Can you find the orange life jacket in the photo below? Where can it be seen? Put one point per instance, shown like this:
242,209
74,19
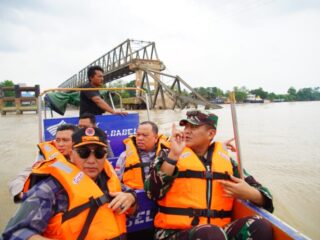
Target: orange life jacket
88,215
195,197
133,175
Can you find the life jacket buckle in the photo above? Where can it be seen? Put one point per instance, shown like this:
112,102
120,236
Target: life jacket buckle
101,200
221,213
208,175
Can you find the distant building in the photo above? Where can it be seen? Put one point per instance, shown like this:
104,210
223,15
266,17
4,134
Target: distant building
251,98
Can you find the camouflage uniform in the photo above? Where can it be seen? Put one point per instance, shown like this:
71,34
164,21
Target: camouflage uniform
157,184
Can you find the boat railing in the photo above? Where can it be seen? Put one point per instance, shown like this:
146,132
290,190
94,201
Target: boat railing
40,120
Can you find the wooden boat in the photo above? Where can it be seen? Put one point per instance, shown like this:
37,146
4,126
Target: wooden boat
118,128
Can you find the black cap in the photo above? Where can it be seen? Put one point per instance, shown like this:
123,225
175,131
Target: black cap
89,135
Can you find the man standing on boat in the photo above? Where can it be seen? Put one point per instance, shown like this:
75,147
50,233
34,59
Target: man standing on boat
195,183
80,198
133,164
92,101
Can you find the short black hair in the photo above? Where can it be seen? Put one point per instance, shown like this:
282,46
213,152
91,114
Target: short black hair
67,126
92,71
90,116
154,126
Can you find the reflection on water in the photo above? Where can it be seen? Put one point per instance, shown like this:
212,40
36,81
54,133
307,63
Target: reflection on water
279,145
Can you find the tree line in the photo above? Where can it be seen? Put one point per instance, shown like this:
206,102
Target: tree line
241,93
304,94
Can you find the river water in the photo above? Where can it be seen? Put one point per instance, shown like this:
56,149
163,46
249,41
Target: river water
279,144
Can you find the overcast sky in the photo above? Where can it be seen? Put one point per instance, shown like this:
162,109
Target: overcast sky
273,44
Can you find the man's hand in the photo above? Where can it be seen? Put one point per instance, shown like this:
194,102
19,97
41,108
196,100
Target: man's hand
230,146
238,188
121,202
177,142
120,113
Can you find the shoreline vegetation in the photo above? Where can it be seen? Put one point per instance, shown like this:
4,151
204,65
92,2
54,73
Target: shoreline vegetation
242,94
217,95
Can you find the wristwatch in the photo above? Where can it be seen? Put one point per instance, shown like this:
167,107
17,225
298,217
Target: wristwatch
170,161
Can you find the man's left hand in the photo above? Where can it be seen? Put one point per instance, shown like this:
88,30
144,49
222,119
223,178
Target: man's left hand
122,201
236,188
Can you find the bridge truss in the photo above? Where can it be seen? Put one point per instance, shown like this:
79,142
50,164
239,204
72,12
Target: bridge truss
141,58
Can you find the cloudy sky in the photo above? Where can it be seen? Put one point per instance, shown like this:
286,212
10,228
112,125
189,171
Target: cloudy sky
273,44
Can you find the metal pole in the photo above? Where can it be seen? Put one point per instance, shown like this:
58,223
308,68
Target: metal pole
111,100
236,133
147,105
40,118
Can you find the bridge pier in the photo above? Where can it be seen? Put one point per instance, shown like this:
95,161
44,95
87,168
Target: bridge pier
11,99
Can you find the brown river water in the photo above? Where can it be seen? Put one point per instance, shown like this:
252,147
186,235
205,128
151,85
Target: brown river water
280,146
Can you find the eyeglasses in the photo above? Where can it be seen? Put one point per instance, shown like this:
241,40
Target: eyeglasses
84,152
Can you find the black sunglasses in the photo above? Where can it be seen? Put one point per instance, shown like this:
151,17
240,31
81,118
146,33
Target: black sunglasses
84,152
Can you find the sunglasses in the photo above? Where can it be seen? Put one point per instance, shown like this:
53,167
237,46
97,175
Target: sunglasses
84,152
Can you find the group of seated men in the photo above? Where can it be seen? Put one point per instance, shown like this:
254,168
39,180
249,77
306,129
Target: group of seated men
73,192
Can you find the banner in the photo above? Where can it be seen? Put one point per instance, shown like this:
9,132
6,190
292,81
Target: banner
116,127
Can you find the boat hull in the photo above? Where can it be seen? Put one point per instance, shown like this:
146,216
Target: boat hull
281,230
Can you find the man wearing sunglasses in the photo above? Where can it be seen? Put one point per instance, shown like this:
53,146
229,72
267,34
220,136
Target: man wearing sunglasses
75,199
89,120
195,183
62,143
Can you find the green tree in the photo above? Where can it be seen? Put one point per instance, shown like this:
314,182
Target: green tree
272,96
131,84
203,92
292,94
305,94
214,92
317,93
240,93
7,83
259,92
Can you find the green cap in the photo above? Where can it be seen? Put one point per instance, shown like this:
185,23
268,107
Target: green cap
200,118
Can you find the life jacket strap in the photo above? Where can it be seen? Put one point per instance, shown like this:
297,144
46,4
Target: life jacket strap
196,213
203,175
92,212
137,165
94,204
99,201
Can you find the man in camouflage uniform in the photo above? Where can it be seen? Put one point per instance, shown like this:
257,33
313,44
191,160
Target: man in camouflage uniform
169,168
